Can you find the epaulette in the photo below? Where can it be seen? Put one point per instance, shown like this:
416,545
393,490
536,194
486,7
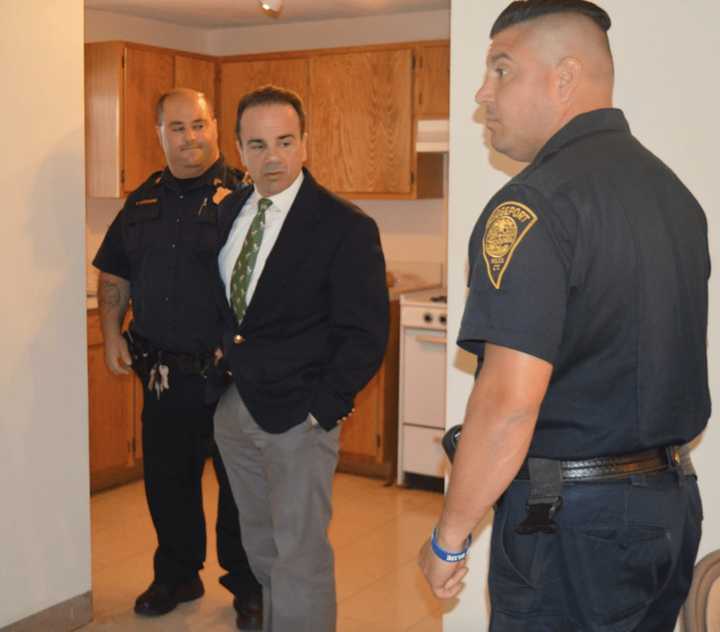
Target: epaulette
147,189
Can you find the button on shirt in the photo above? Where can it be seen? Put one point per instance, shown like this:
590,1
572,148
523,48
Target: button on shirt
274,220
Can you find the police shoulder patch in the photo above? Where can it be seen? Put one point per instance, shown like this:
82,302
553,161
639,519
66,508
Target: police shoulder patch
505,229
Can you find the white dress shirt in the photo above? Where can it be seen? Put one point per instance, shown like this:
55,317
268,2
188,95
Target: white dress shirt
274,219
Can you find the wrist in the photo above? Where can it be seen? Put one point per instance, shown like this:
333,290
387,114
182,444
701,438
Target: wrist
451,555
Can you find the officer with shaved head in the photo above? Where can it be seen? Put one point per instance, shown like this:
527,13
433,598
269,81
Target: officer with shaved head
587,310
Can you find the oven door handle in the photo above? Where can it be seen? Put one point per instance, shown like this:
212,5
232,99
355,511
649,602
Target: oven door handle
434,340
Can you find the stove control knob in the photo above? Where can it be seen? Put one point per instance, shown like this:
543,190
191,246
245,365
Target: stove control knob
428,318
443,319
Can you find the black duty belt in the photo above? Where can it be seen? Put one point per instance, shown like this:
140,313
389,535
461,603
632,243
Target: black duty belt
547,477
616,467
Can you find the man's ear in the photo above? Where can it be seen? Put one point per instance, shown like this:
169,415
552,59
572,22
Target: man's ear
569,71
304,147
238,146
158,131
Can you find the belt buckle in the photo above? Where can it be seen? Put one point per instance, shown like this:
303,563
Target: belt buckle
674,457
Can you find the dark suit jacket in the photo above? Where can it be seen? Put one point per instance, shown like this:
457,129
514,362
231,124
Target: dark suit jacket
316,328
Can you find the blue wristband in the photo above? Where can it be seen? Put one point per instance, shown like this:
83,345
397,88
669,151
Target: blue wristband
446,556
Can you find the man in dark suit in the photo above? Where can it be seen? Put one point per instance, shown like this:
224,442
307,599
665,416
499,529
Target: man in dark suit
306,321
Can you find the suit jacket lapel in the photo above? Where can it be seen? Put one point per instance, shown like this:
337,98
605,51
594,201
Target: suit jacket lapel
229,209
292,245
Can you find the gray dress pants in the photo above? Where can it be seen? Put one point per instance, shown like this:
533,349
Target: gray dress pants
282,485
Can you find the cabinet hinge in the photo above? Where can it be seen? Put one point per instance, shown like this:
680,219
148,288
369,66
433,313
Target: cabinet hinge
122,176
412,177
122,60
378,442
414,61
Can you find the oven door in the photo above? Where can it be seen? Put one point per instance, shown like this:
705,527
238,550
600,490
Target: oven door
423,384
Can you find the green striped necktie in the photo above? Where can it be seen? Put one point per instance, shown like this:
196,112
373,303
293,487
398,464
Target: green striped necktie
245,263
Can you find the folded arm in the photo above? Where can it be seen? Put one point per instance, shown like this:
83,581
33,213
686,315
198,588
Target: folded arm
359,316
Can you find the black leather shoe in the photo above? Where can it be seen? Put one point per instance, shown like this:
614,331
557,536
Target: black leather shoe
249,613
160,599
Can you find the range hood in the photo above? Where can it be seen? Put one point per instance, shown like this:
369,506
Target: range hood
432,136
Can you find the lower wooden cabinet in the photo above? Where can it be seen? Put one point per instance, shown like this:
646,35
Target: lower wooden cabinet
368,439
115,403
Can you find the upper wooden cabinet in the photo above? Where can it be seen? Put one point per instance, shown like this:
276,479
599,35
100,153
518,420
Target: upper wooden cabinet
198,74
122,85
361,123
237,78
432,80
362,106
148,74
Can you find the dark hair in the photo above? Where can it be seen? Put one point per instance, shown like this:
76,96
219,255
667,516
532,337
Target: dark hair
160,105
524,10
270,95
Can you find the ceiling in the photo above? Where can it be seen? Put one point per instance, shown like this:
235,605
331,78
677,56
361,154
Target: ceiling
233,13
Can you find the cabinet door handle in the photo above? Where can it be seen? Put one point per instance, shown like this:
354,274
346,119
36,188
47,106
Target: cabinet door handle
433,340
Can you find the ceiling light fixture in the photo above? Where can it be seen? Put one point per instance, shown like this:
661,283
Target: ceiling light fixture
271,6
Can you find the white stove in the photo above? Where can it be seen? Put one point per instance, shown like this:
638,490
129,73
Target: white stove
423,352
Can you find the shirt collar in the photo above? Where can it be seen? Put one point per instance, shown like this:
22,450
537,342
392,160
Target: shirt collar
216,172
282,201
586,124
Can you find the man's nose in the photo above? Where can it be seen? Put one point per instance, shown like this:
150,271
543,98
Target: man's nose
484,94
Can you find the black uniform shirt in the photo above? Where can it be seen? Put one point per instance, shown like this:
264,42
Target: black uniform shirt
595,258
165,241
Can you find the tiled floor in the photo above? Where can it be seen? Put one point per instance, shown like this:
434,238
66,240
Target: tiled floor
376,532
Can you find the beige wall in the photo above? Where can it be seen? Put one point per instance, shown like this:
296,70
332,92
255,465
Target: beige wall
404,27
103,26
44,528
666,56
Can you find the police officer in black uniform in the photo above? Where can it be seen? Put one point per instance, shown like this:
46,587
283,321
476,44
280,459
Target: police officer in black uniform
587,309
161,253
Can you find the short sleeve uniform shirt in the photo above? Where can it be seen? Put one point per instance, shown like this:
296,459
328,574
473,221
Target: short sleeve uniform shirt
165,242
595,259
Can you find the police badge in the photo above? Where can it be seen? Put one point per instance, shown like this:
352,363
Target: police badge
505,229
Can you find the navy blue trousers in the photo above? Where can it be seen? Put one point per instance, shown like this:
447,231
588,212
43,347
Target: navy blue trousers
621,561
177,436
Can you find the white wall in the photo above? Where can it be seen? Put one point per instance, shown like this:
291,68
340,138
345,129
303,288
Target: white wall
44,528
103,26
402,27
666,57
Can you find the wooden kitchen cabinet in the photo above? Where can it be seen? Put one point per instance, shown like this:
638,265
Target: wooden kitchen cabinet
123,83
432,80
361,122
198,74
114,411
148,74
368,438
237,78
